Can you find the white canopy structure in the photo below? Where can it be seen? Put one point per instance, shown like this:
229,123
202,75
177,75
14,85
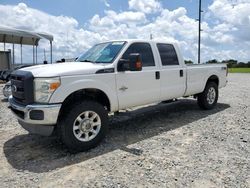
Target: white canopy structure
17,36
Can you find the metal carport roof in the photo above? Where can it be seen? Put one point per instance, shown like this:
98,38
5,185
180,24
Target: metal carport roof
17,36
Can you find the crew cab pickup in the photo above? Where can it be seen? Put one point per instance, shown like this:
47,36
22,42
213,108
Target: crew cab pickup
74,99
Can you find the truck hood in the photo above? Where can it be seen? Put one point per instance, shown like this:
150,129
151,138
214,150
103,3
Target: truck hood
66,69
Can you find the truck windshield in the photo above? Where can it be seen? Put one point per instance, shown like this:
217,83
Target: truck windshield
102,53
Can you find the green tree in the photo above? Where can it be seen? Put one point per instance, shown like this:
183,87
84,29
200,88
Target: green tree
241,65
212,61
231,63
188,62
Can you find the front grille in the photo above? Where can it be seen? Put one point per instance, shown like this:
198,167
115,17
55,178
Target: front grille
22,87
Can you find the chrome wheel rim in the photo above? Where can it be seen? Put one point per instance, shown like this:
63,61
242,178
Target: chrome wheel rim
211,95
87,126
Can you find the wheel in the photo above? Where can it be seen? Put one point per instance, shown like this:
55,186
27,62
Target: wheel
8,78
209,97
83,126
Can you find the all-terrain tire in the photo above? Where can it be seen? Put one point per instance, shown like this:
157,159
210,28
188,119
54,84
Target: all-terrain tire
76,114
207,100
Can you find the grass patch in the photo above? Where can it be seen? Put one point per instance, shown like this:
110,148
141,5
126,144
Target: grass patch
239,70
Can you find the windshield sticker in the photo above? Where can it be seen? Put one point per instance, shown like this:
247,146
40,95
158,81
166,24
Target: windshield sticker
117,43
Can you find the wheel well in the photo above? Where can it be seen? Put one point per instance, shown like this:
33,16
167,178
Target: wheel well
90,94
214,79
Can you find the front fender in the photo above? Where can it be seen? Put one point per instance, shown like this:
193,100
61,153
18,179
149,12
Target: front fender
71,84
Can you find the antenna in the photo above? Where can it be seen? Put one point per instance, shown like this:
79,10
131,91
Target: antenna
44,54
234,3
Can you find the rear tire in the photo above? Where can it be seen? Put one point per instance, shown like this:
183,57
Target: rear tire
83,126
207,100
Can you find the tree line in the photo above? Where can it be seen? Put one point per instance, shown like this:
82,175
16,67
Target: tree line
231,63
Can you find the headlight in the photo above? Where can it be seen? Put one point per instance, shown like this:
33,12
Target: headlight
44,88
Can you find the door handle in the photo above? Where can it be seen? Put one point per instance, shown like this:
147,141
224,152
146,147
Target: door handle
123,88
181,73
157,75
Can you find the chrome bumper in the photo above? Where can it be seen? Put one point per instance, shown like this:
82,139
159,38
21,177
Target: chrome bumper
35,114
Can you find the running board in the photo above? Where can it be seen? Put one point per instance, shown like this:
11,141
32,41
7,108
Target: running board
169,101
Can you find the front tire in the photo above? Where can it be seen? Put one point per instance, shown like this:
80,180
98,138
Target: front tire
83,126
207,100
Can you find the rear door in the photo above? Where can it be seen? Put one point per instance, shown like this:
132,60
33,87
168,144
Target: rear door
140,87
173,81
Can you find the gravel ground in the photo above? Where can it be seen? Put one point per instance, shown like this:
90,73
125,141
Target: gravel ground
167,145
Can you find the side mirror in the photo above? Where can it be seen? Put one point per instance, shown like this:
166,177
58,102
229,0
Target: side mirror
134,63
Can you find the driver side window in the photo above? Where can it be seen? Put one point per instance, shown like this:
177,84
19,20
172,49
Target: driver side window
144,49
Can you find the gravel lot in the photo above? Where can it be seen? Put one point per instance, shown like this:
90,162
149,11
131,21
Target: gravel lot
167,145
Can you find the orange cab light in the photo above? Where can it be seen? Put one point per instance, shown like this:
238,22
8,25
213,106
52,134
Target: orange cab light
138,64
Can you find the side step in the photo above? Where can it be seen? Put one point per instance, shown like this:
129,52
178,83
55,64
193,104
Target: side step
169,101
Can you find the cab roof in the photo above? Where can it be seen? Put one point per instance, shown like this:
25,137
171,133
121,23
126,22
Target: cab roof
141,40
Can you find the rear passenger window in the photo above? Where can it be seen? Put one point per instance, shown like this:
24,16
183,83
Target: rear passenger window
144,49
168,54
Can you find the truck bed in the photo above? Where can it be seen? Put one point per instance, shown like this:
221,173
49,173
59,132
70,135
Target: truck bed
197,75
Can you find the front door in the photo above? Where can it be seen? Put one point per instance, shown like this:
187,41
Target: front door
135,88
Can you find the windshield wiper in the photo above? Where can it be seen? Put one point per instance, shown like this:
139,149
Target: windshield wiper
86,60
101,62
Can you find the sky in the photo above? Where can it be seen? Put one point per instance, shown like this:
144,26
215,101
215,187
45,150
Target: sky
77,25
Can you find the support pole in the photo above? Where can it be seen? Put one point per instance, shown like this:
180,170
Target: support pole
199,35
36,54
51,52
4,39
21,54
21,50
13,52
33,52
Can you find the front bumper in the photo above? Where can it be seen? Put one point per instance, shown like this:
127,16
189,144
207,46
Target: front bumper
36,118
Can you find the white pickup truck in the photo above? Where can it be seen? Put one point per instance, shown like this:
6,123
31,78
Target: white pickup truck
75,98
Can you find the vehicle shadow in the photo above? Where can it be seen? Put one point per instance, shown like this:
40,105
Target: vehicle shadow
40,154
4,100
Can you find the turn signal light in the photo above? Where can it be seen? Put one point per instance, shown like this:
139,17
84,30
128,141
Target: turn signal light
54,86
